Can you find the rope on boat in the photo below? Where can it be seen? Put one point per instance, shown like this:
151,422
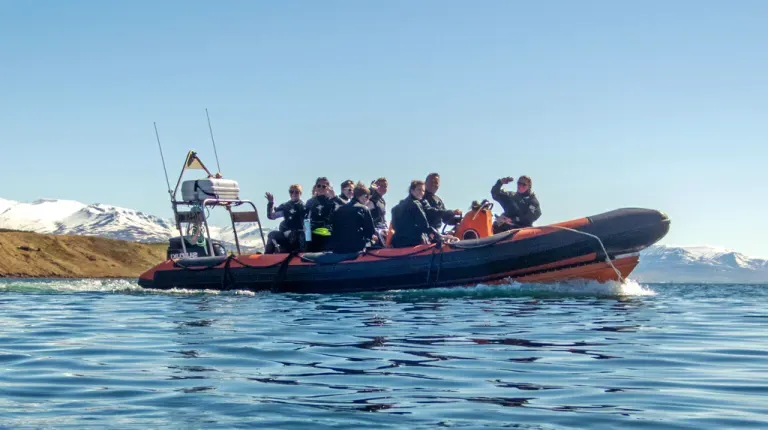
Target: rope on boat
280,275
440,265
227,278
192,268
437,249
607,257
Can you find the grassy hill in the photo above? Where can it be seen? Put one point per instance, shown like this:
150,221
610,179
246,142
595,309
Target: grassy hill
34,255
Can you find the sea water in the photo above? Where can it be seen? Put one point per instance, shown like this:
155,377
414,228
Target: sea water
95,354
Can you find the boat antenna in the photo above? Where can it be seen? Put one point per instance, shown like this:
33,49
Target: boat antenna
210,129
167,182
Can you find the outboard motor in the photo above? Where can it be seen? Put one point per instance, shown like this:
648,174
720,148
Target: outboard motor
194,249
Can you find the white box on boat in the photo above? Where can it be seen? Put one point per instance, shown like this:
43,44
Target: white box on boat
210,188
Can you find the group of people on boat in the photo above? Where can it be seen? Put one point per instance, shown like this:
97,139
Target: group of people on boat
355,219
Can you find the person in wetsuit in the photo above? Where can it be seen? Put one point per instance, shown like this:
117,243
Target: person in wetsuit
347,190
319,210
409,219
440,214
352,223
286,237
378,206
521,208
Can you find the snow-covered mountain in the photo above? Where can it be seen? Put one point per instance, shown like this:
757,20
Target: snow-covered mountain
71,217
40,216
5,204
701,264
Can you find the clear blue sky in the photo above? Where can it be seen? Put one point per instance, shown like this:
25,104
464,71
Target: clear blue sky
605,104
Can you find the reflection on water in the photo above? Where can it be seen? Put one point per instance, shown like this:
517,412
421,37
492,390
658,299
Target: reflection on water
105,354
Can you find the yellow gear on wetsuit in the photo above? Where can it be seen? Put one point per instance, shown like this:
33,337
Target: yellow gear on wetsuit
321,231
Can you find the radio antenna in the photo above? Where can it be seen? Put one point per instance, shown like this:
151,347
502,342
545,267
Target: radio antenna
167,182
213,140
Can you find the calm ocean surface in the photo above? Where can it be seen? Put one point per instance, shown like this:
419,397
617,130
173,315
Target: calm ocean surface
95,354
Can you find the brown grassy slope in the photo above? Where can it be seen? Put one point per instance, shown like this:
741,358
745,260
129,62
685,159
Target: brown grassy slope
62,256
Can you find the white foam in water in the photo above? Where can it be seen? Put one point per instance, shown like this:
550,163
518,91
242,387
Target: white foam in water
102,286
591,288
186,291
572,288
71,285
630,287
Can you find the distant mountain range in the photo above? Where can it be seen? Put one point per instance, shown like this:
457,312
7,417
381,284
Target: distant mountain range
705,264
71,217
659,263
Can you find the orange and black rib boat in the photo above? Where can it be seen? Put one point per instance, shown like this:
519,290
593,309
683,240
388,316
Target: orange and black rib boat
601,248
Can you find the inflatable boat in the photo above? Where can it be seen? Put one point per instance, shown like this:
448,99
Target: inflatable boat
602,248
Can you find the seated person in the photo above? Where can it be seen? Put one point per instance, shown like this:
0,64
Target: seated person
352,224
521,209
409,219
440,214
286,237
319,210
378,206
347,188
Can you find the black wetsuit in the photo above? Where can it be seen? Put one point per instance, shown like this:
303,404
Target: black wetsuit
291,212
379,209
522,208
352,228
287,234
320,209
440,214
410,223
338,201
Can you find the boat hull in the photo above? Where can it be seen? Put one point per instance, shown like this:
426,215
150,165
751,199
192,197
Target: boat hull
558,252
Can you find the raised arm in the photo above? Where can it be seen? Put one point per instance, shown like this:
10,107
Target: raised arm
497,192
271,212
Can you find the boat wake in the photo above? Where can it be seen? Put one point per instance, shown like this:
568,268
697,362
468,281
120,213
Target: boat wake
628,288
121,286
576,288
54,286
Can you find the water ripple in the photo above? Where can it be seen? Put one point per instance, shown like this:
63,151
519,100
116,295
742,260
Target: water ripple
105,353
